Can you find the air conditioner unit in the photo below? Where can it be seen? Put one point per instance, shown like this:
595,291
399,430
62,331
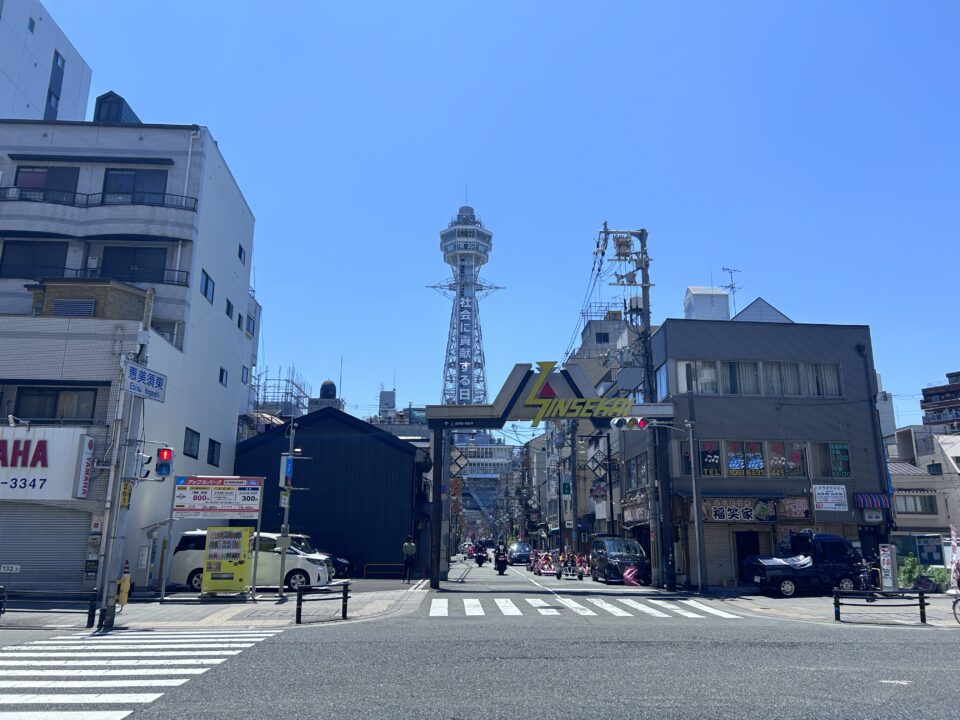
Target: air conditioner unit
93,262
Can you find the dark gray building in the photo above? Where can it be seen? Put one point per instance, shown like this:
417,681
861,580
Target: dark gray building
787,440
358,492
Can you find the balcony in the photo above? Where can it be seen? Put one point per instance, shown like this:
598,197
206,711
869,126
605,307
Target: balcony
72,199
159,276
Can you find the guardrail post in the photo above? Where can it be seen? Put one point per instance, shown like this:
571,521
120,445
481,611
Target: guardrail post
299,605
343,607
836,605
92,611
923,609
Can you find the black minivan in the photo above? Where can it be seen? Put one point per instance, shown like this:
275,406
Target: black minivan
611,555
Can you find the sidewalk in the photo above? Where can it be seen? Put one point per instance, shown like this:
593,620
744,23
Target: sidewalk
368,600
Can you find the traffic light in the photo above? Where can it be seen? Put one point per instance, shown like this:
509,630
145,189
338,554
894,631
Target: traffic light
164,462
142,465
631,423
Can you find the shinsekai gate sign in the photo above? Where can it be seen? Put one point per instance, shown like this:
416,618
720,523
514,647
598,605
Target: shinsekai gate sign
544,394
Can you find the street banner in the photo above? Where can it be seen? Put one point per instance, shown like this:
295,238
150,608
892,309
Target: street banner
228,498
954,560
226,560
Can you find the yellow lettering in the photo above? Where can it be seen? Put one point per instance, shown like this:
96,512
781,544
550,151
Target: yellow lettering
622,407
589,406
575,407
603,408
558,408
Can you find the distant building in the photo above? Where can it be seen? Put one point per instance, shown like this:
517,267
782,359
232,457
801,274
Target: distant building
888,418
42,76
328,398
706,303
941,404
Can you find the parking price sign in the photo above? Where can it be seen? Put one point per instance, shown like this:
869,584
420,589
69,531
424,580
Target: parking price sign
217,497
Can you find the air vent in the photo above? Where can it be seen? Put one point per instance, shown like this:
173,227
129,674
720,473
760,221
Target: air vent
67,307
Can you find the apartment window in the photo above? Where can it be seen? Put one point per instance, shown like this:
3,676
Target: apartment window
242,254
749,378
33,260
213,453
772,383
134,187
915,504
710,465
244,374
223,377
46,403
239,321
58,60
251,325
191,443
134,264
31,24
48,184
729,378
53,100
832,460
207,285
790,373
935,469
704,376
603,338
788,459
229,309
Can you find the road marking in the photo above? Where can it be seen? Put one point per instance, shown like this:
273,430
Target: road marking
17,662
472,606
422,585
507,607
130,682
542,607
100,672
219,634
154,639
126,646
66,715
110,654
675,608
642,608
78,699
575,606
438,608
708,609
612,609
897,682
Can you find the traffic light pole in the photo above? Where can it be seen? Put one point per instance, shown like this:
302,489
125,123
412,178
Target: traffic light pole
285,528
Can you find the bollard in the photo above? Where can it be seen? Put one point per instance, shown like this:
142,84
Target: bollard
299,605
92,611
836,606
923,610
343,609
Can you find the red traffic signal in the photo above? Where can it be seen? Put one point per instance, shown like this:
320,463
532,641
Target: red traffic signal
630,423
165,454
164,465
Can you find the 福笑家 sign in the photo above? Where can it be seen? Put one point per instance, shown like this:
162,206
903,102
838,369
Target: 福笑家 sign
45,463
144,382
748,510
831,498
217,497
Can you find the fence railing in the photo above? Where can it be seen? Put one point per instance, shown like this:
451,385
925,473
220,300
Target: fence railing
391,570
27,601
74,199
162,276
880,598
326,592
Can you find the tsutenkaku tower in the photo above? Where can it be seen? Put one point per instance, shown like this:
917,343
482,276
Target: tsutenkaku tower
466,246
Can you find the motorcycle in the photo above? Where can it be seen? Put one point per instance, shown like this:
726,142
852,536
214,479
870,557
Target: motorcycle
480,556
500,560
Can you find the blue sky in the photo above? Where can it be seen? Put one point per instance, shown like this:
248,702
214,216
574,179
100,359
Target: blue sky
813,146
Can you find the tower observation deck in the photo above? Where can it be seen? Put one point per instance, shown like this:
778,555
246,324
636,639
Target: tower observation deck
466,246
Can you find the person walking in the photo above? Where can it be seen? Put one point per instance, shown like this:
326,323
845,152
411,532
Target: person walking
409,554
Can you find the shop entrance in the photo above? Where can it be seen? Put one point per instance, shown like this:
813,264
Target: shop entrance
748,543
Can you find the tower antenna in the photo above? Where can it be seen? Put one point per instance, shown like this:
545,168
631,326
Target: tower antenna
732,287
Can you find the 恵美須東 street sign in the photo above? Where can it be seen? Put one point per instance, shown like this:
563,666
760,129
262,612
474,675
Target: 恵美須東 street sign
144,382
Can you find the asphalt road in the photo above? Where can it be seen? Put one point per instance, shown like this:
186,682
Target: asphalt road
493,654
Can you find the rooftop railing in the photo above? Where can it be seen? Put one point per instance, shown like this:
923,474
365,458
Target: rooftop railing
73,199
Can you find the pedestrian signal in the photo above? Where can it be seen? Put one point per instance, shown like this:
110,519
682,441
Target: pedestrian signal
164,465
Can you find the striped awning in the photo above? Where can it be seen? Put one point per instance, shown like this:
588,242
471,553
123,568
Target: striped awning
871,500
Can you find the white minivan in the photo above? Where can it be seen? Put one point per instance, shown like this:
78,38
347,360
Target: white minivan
304,566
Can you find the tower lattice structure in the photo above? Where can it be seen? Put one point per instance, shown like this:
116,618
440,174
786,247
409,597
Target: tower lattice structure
466,246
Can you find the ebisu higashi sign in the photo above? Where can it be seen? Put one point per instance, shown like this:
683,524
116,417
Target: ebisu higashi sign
550,406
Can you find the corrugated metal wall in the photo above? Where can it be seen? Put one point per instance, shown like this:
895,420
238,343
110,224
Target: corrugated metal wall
359,496
47,544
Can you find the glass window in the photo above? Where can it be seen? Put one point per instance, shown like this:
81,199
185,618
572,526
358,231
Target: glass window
662,389
229,309
33,260
213,453
813,385
39,403
772,384
796,459
239,321
683,367
778,455
134,264
753,454
729,378
915,504
223,377
266,544
736,466
244,374
603,338
191,443
710,458
707,377
251,325
207,285
749,378
830,376
790,374
138,187
242,254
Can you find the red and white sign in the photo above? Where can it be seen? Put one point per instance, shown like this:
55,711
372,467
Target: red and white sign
217,497
45,463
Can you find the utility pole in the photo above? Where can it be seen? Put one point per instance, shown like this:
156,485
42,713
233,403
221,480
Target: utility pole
285,527
573,485
695,486
611,522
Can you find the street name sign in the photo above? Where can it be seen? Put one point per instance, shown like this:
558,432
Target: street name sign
144,382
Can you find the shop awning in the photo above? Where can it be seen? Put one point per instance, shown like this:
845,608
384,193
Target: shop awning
871,500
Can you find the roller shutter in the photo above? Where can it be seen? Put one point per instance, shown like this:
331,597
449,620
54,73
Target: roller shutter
49,544
716,540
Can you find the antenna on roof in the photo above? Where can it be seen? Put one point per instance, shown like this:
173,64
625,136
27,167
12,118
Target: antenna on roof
732,287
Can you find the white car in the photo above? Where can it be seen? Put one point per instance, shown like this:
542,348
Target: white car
304,566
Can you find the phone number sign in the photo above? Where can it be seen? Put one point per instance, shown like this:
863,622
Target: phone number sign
217,497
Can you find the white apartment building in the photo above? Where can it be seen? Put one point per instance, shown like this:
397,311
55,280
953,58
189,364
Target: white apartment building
42,76
96,219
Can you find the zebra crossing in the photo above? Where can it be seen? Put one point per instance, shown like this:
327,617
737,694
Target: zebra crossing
50,679
584,607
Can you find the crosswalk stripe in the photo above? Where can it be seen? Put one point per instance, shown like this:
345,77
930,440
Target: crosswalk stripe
472,606
612,609
148,634
18,662
439,608
66,715
708,609
507,607
642,608
125,646
100,672
673,607
542,607
79,699
74,684
576,607
124,654
152,639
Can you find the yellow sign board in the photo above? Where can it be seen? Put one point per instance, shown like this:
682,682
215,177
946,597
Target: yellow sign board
543,396
226,561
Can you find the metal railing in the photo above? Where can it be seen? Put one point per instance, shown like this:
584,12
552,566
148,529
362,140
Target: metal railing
162,276
50,602
880,598
74,199
327,592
